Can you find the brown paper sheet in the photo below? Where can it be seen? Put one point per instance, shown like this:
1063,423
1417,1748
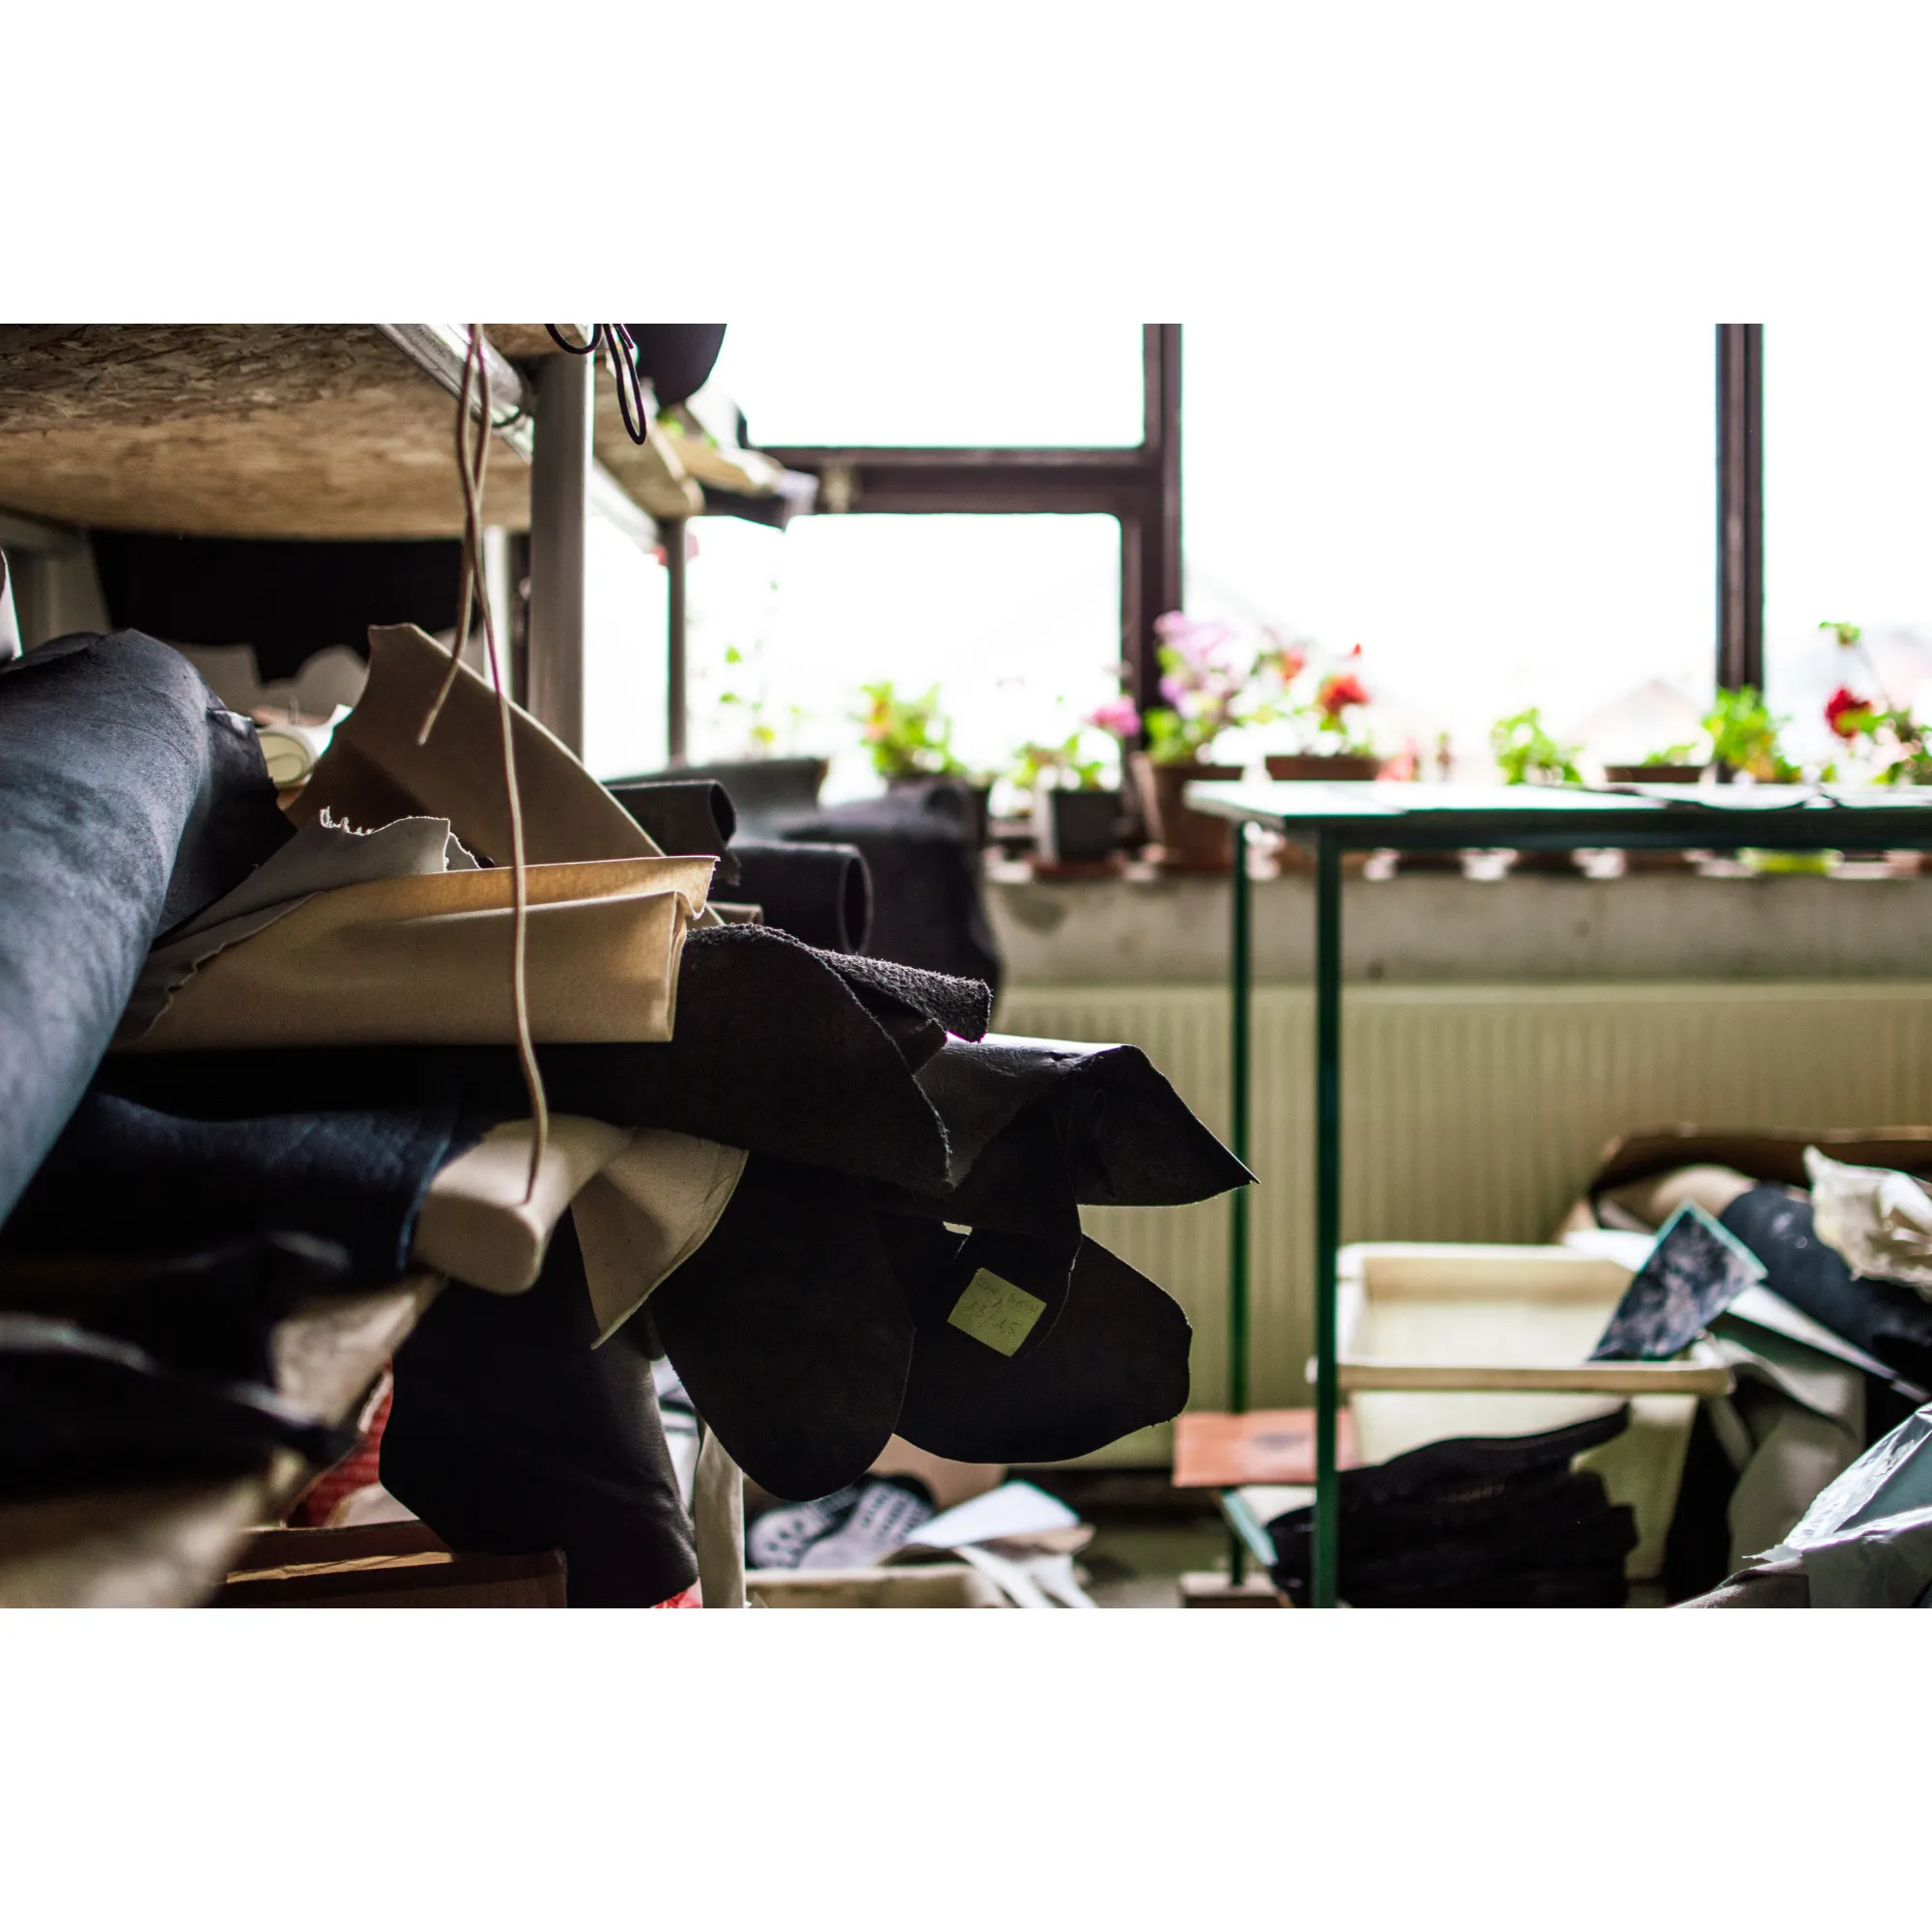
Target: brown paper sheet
374,771
426,960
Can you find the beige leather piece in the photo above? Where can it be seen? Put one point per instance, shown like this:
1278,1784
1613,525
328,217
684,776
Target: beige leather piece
646,1213
475,1225
375,771
427,960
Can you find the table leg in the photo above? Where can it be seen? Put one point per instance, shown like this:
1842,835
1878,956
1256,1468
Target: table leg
1240,983
1327,1204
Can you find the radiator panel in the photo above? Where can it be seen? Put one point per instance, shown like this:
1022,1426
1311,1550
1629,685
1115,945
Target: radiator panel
1469,1113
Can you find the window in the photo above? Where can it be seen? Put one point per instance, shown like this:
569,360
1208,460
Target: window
1025,384
624,613
1016,618
1501,515
1848,509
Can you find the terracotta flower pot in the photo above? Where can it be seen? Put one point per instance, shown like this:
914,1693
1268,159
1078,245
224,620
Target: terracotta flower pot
1341,768
1655,774
1652,775
1190,841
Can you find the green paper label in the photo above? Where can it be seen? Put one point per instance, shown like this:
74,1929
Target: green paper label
996,1313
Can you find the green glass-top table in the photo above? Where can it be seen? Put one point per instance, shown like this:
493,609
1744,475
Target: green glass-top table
1336,819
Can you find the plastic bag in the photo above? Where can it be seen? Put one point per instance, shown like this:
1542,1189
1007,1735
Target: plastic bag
1878,1219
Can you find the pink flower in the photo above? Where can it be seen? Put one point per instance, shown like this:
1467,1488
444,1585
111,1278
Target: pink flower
1119,714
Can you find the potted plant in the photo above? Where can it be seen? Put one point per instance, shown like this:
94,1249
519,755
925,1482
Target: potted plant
1201,687
1674,765
911,743
1526,753
1334,746
910,738
1744,738
1076,814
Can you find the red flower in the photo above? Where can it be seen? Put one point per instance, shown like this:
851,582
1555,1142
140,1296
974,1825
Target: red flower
1339,692
1848,714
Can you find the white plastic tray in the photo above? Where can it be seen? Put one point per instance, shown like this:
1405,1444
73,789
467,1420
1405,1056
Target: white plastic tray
1439,1341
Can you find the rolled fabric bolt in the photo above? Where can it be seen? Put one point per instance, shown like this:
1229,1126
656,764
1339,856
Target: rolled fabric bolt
128,1178
685,816
819,893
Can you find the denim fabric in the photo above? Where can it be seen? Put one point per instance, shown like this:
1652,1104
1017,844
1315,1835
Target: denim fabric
129,1179
129,799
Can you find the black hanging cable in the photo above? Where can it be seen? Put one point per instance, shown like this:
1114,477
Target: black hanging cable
617,337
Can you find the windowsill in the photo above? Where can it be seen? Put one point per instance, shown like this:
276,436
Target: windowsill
1147,927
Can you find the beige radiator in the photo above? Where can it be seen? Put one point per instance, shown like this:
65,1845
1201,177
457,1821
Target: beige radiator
1469,1113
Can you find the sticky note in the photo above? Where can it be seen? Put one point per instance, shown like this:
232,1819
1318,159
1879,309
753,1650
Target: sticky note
995,1311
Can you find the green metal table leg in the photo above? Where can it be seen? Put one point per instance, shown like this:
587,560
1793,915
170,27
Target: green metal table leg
1241,978
1328,1202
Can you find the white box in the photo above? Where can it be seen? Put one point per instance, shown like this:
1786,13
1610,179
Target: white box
1436,1341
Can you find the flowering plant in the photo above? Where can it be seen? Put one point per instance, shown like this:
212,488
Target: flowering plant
1893,735
1203,686
909,737
1888,731
1075,760
1323,710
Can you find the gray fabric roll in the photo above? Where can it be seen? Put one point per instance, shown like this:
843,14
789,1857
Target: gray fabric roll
819,893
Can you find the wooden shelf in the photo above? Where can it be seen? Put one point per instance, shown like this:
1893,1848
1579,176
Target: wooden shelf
261,430
159,1546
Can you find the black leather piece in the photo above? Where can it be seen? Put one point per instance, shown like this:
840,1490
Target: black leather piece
819,893
1884,1318
1037,1128
509,1433
125,1178
129,799
789,1331
1115,1361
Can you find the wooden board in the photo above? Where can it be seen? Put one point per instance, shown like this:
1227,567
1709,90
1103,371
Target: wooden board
1214,1451
263,430
160,1545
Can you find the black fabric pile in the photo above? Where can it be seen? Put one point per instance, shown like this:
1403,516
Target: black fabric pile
166,1376
838,1300
1480,1522
896,877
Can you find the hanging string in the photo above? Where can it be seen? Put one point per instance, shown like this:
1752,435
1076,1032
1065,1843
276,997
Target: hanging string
472,464
616,338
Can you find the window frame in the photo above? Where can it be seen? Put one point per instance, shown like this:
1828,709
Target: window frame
1139,486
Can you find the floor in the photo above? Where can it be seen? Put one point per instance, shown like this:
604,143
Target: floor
1146,1534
